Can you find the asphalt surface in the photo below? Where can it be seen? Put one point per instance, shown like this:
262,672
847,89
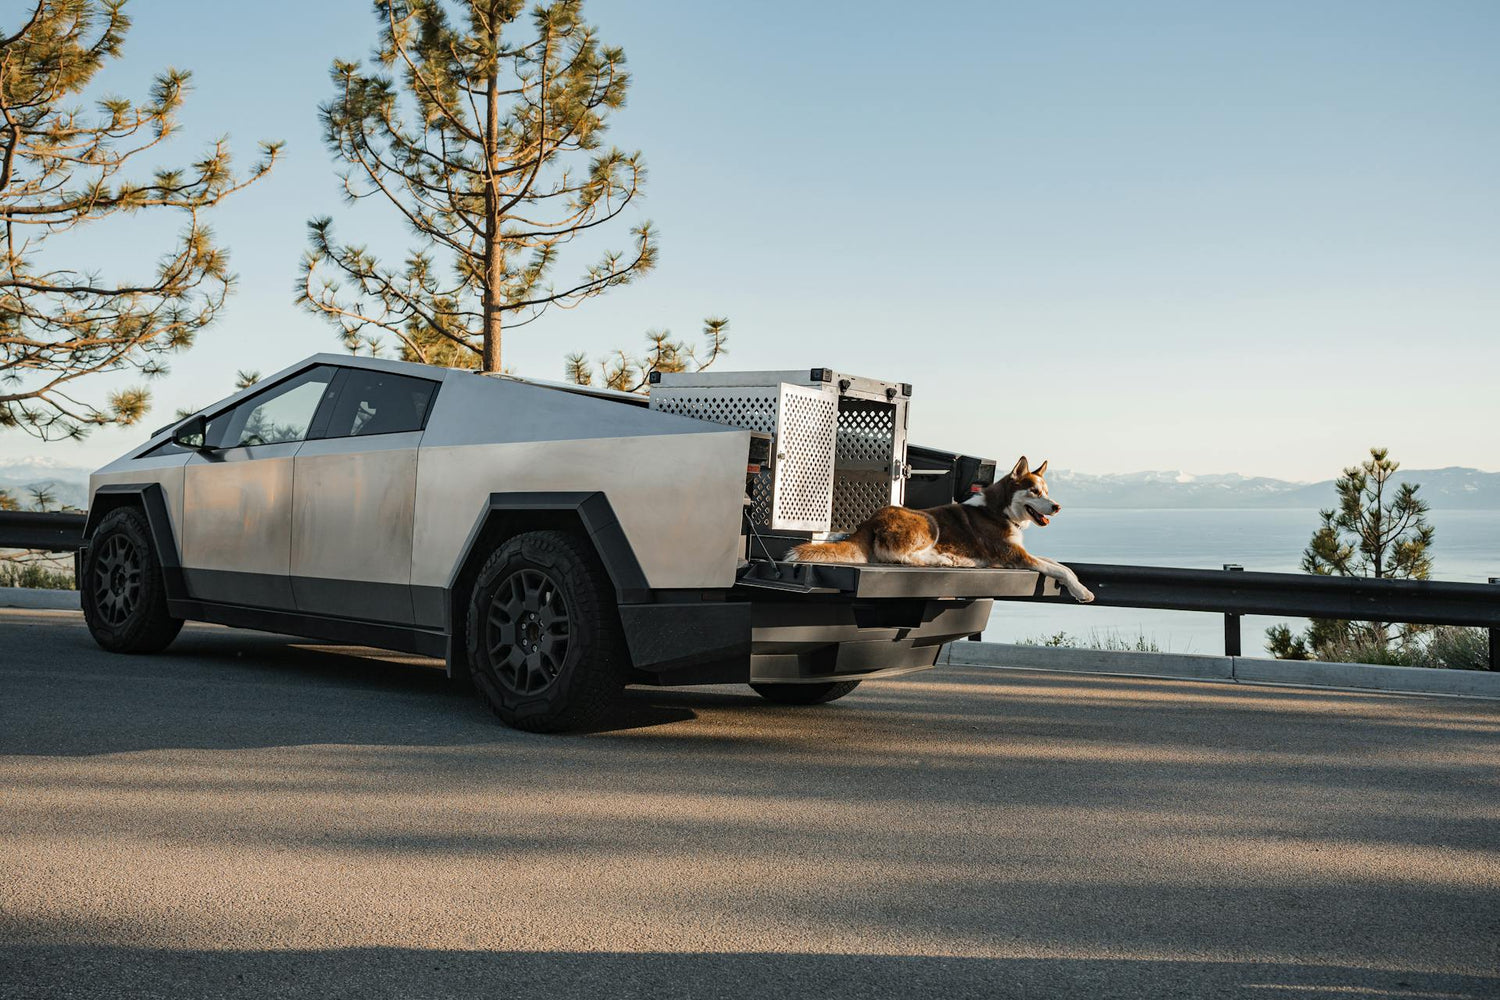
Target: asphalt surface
251,816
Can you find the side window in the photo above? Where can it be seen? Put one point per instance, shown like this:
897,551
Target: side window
277,416
373,402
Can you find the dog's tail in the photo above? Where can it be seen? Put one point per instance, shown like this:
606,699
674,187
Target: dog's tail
854,549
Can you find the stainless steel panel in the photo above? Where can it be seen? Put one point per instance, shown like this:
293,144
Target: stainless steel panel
675,484
479,409
677,499
352,507
163,469
753,408
237,515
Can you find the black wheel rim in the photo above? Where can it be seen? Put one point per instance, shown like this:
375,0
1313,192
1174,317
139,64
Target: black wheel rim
117,580
527,631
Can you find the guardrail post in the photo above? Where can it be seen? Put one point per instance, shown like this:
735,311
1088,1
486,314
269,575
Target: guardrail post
1232,622
1495,639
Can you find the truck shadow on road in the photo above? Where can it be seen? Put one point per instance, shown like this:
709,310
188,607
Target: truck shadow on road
220,688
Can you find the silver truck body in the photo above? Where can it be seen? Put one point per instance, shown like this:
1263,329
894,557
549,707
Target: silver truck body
366,524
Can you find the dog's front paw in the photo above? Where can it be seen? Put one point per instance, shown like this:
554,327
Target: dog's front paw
1083,595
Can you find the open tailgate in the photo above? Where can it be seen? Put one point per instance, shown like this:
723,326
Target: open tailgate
881,581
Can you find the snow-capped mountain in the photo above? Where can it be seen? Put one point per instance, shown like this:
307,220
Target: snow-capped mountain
1453,487
68,484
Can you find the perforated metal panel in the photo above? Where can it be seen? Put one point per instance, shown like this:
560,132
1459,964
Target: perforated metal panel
867,433
794,493
864,478
837,453
753,409
804,459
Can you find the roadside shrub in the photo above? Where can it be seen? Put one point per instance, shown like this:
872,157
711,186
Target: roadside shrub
1458,648
1372,651
1109,641
30,574
1442,647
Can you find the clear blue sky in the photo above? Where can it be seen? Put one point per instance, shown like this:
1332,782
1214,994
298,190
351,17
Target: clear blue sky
1255,236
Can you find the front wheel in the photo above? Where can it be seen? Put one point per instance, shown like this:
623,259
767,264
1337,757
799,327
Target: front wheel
545,647
804,694
123,594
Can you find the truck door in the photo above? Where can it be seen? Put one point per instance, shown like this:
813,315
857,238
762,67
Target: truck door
355,495
237,497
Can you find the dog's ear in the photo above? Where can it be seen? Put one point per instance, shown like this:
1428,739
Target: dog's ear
1040,470
1022,469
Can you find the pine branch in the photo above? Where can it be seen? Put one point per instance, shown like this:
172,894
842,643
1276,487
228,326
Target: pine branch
471,141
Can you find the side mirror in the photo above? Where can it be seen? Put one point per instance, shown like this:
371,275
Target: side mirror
192,433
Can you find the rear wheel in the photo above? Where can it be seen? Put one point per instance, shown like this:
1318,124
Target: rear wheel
804,694
122,592
545,647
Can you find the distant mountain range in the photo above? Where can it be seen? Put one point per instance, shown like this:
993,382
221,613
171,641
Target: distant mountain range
69,484
1451,488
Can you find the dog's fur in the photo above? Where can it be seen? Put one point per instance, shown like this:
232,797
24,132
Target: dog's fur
984,530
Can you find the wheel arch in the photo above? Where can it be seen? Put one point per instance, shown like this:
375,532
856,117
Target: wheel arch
505,515
151,500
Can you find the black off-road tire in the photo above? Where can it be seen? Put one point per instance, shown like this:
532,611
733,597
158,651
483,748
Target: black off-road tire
804,694
123,594
545,647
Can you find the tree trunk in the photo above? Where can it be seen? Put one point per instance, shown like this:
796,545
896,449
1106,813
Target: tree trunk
492,318
494,269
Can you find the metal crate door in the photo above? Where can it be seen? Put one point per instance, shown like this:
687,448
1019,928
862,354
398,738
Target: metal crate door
868,467
806,426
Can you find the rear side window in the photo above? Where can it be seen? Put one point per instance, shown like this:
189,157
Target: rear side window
374,402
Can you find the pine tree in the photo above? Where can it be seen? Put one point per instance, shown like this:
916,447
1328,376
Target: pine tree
1379,530
632,373
61,168
482,126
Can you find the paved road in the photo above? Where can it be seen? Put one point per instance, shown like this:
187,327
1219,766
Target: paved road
249,816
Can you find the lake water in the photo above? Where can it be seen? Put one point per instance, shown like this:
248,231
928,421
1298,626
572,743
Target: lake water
1466,549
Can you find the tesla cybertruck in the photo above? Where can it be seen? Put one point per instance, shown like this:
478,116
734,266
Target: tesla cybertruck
552,543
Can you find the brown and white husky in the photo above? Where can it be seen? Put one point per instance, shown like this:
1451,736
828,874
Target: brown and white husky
984,530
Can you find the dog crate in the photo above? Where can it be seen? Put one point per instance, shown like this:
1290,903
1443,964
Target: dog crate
838,442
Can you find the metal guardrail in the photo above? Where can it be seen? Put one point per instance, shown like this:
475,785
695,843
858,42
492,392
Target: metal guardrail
1231,592
49,531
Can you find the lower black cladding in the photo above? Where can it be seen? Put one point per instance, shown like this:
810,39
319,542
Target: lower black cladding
673,635
259,590
341,630
385,602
